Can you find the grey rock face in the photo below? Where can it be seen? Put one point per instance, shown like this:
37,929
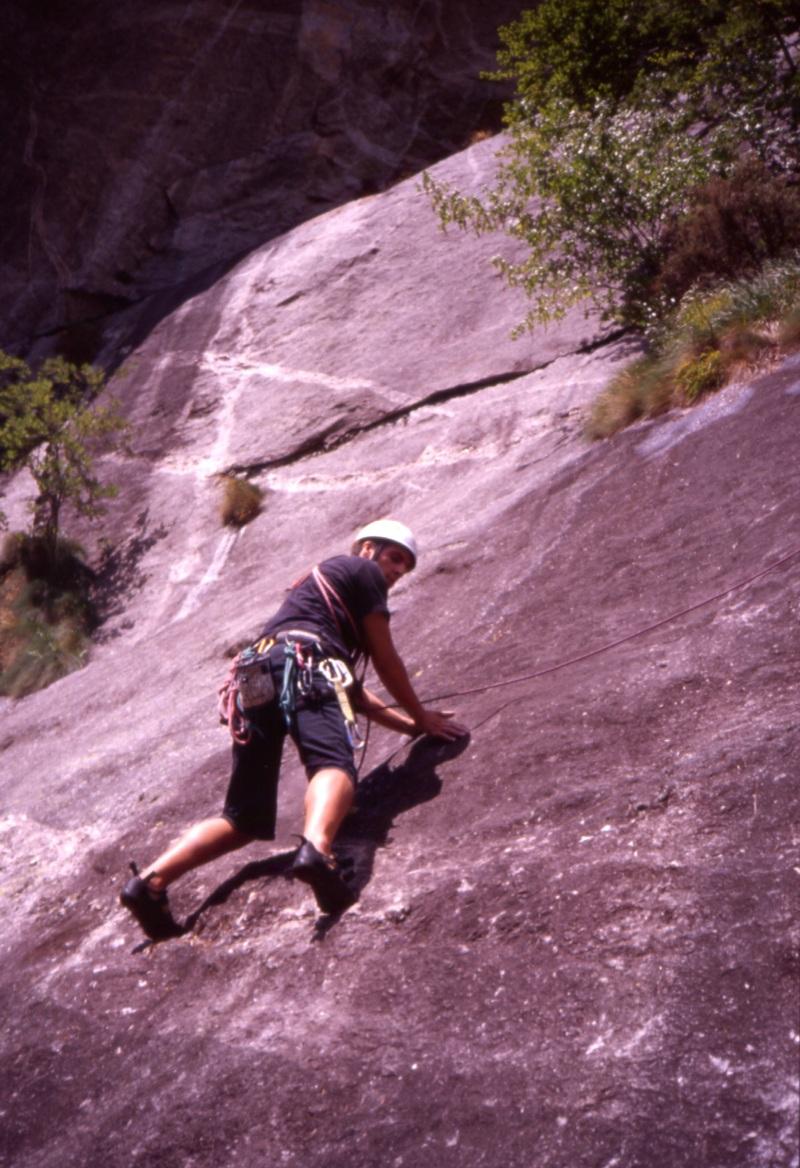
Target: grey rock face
575,940
144,144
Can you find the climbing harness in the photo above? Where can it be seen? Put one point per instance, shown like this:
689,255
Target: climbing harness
304,661
302,652
249,684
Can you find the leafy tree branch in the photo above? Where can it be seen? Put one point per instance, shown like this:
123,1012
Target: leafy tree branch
49,424
622,111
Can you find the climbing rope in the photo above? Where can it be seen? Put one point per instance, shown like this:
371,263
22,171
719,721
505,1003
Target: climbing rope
674,616
548,669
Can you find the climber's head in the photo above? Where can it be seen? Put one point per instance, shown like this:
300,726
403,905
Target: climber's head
390,544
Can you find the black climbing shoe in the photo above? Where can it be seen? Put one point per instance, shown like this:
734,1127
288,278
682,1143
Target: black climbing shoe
150,908
321,873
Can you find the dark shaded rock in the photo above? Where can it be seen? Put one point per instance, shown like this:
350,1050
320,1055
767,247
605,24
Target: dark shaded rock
143,146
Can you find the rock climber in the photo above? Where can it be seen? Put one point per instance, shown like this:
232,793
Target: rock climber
308,651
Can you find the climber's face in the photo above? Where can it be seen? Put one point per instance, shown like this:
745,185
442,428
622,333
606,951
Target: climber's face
393,561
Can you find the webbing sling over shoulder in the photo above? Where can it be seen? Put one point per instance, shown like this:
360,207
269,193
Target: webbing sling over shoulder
329,594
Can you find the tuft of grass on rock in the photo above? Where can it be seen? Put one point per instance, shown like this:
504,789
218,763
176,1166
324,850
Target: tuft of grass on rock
642,389
713,336
241,501
695,375
46,615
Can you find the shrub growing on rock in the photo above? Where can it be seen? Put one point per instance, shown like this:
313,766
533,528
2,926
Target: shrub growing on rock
241,501
46,615
48,423
733,225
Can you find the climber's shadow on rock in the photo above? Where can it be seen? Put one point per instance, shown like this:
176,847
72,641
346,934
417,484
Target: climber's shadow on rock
269,869
385,793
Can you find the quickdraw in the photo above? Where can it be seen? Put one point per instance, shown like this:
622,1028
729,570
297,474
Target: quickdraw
298,677
339,676
300,664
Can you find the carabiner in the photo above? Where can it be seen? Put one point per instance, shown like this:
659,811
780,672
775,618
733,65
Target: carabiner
339,677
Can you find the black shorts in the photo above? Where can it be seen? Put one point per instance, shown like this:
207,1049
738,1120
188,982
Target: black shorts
320,735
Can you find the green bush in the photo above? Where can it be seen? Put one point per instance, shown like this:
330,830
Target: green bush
695,376
623,111
768,295
587,194
643,389
49,653
49,424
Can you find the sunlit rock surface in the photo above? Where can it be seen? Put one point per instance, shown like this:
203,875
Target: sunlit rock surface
145,145
576,942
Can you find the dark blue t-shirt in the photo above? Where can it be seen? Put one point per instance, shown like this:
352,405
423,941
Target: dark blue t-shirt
363,590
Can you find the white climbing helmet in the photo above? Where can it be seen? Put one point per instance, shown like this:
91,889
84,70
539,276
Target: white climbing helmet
392,531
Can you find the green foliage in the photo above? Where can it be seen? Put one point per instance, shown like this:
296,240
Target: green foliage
621,111
51,652
584,195
695,376
241,501
720,56
769,295
48,424
645,388
579,50
712,336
